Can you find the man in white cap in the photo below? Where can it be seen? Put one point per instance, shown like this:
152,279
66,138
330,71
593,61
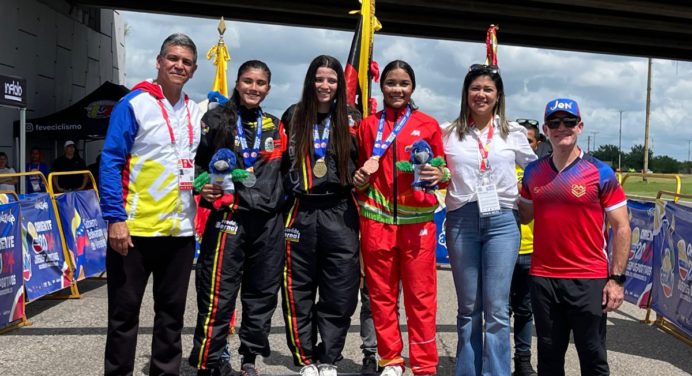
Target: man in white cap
69,161
570,195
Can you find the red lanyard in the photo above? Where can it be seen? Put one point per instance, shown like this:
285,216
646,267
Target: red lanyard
168,121
484,149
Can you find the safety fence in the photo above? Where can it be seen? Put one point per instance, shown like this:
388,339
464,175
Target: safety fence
48,242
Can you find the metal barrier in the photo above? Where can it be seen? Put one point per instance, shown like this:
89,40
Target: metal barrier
677,178
660,321
53,175
48,183
74,290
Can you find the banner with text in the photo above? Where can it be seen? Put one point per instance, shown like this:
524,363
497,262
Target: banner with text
640,258
85,232
45,269
11,284
672,266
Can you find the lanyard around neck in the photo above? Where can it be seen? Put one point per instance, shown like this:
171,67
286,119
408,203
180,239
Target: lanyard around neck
164,112
380,147
321,141
484,150
249,156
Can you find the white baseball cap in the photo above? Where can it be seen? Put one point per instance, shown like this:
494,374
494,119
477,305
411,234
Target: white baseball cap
68,143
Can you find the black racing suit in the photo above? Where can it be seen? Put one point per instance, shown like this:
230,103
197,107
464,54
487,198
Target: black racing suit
321,254
243,245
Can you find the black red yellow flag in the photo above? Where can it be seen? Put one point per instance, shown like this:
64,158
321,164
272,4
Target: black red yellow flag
357,71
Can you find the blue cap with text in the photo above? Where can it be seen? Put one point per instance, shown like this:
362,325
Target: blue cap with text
567,105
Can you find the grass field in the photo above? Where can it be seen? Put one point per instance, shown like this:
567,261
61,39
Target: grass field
635,186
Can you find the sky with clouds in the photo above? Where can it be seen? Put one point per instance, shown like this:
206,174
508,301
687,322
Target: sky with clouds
602,84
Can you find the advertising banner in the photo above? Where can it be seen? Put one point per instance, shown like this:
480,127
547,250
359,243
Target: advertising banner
85,232
672,266
640,258
13,91
44,268
11,284
441,247
441,254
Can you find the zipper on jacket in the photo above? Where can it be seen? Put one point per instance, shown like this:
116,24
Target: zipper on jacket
396,209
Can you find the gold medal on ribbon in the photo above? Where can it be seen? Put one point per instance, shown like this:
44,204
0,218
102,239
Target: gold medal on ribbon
320,169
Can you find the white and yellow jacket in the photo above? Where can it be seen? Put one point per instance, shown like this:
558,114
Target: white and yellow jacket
139,163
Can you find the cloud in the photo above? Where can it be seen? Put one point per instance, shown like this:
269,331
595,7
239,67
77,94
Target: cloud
603,84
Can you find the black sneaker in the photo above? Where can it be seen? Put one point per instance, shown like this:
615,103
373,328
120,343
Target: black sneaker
249,369
369,365
224,369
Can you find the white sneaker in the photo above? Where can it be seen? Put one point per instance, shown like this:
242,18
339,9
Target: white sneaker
309,370
395,370
327,370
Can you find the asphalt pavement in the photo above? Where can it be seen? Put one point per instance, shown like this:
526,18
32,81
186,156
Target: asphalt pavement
67,337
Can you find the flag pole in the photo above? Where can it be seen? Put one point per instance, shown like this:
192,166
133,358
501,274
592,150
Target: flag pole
221,57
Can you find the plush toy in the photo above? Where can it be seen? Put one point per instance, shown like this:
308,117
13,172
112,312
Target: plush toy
215,99
421,154
222,172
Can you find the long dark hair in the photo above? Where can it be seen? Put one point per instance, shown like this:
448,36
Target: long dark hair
229,111
460,125
305,116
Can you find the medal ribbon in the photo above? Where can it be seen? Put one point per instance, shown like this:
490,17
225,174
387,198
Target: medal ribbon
250,156
381,147
485,149
321,142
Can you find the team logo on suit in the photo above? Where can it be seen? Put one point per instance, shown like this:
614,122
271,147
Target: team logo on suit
578,190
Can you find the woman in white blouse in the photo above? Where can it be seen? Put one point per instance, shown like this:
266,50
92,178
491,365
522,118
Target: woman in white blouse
482,228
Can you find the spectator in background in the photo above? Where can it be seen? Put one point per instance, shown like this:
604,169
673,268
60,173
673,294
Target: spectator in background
70,161
35,183
542,146
6,183
519,297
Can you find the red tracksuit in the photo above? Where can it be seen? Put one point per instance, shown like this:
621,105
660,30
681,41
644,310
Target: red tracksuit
398,243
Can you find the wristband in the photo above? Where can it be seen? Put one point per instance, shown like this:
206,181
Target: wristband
446,174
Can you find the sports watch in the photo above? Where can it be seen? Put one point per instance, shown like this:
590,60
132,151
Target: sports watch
618,278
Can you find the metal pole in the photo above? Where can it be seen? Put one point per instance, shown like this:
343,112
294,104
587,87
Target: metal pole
620,145
588,145
646,126
22,148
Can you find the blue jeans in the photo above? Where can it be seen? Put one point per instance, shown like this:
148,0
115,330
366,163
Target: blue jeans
520,301
482,254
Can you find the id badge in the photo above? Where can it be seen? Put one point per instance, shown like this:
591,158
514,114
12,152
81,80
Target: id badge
36,185
488,201
186,174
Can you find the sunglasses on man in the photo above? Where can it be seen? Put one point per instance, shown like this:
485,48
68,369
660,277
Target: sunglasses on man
483,68
530,122
569,122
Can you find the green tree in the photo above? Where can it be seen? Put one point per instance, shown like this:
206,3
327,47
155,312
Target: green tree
608,153
635,158
664,164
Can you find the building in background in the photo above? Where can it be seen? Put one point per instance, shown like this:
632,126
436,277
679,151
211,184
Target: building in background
64,52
